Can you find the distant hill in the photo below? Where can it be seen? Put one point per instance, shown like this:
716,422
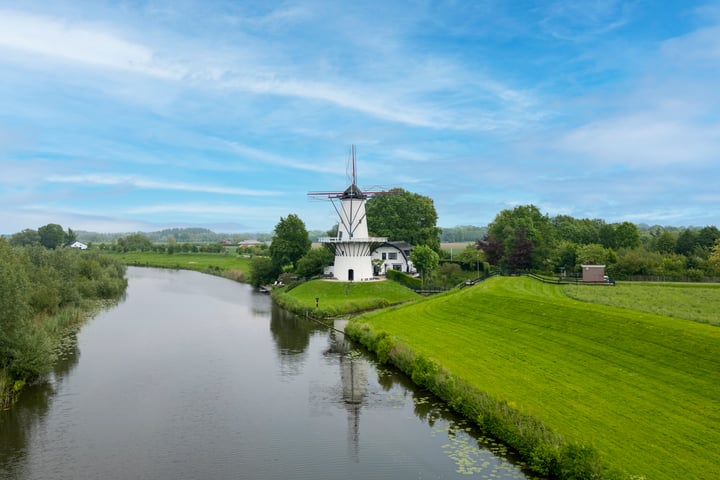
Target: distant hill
183,235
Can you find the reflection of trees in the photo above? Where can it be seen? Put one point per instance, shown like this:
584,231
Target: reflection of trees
292,337
261,305
19,423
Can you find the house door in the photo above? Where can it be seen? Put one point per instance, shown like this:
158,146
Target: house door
351,275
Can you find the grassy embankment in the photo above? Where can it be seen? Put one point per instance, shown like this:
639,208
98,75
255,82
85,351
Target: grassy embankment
228,265
577,388
699,302
336,298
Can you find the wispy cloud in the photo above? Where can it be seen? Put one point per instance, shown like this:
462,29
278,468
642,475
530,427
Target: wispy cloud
147,183
68,41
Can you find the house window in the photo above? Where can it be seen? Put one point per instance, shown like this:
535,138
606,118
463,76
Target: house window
397,266
384,256
392,256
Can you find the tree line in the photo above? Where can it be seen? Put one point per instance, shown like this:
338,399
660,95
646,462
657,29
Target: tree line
525,239
45,293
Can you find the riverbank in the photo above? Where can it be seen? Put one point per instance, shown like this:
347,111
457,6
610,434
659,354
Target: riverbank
58,332
46,294
579,390
226,265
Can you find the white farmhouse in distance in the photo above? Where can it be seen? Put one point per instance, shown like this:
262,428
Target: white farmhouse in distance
79,245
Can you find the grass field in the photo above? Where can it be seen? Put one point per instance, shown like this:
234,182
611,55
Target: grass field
228,264
643,389
699,302
340,297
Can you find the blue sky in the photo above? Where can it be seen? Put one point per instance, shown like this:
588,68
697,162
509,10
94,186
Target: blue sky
127,116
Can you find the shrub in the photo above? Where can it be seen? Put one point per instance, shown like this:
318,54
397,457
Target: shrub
404,279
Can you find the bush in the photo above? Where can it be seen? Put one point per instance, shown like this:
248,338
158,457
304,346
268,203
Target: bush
404,279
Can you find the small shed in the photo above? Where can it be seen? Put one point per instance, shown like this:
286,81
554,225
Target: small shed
593,273
79,245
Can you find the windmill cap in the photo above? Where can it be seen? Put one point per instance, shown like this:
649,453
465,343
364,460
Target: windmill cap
353,192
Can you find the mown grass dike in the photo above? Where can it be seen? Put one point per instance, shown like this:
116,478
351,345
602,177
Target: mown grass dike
336,298
580,390
699,302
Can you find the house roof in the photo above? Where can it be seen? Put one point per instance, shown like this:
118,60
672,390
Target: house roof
401,245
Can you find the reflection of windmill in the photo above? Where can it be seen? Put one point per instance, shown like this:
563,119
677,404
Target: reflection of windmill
352,246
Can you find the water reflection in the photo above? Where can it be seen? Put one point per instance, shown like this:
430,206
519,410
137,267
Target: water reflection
291,334
19,424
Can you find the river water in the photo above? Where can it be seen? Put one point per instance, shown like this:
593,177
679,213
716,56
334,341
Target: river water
196,377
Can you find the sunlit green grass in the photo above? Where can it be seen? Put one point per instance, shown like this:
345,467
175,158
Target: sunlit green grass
699,302
335,298
643,389
228,262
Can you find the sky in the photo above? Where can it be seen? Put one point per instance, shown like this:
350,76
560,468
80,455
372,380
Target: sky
129,116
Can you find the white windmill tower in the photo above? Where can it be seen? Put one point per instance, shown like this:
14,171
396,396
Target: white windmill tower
352,246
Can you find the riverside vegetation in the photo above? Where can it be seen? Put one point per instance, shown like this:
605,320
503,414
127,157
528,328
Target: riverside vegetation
224,264
45,295
580,390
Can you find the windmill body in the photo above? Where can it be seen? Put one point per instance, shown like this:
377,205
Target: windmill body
352,246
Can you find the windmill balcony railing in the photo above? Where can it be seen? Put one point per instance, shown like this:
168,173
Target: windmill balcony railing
352,239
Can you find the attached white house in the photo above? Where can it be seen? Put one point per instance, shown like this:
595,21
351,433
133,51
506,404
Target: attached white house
394,256
79,245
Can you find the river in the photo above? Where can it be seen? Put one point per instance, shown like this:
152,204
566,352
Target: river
192,376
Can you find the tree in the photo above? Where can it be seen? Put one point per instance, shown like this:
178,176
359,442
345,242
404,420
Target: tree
627,235
403,215
262,271
707,236
686,241
314,262
470,257
714,258
26,238
520,238
520,252
52,235
70,236
135,242
664,242
425,259
290,242
592,254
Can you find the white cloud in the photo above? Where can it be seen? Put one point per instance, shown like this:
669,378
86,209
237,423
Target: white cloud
146,183
66,40
643,140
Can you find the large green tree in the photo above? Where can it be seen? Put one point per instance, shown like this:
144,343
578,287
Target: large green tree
52,235
290,242
521,238
403,215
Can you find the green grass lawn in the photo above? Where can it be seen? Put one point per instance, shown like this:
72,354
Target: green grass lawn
336,298
231,264
699,302
643,389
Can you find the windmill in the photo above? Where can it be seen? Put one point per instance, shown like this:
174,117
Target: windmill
352,246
